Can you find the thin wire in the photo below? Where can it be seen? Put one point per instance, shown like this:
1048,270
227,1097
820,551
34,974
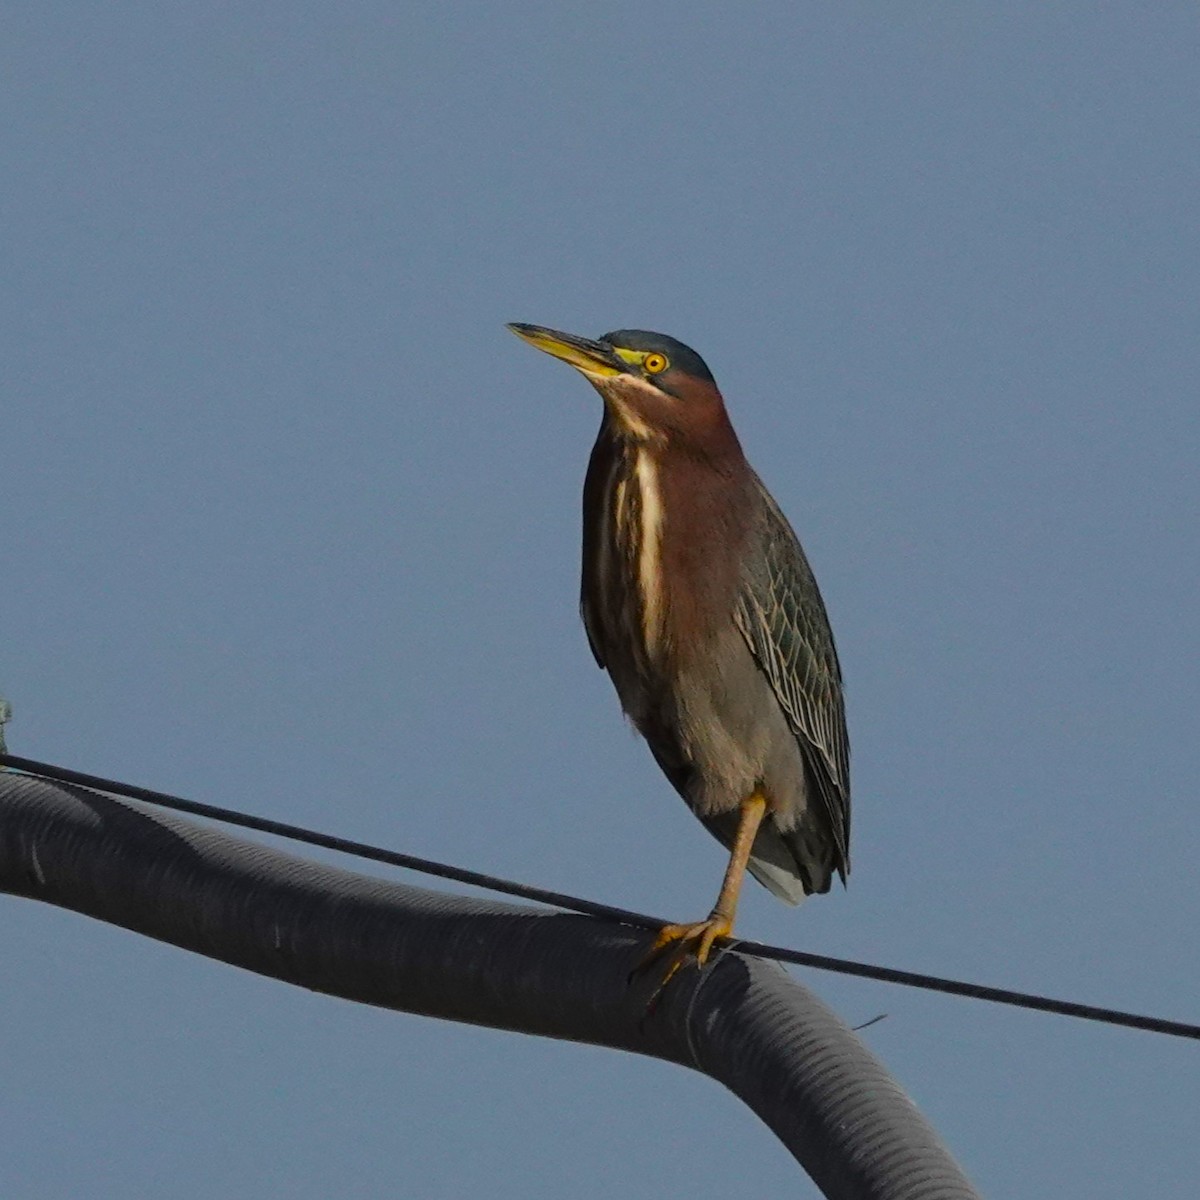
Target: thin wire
818,962
727,946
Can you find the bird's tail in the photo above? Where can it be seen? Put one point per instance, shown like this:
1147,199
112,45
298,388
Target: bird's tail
781,881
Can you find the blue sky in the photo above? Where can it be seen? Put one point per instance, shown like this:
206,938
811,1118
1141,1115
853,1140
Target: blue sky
291,524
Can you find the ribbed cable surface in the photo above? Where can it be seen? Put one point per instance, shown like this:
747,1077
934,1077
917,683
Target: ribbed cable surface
818,1087
743,1021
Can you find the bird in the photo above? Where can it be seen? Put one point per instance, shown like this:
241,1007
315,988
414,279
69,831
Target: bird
699,602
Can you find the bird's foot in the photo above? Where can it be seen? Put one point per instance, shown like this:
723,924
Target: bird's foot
680,943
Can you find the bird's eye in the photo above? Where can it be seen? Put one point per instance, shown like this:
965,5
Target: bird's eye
655,363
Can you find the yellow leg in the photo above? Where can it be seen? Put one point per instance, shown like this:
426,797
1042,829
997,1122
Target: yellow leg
699,938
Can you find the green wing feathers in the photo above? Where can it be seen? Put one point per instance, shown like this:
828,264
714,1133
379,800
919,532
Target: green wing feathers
782,617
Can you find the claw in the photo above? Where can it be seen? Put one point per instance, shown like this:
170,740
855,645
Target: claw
681,943
702,933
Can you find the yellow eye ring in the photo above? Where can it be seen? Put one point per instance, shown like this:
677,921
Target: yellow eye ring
655,363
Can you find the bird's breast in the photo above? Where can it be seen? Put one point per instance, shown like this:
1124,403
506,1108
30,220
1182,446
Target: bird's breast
666,573
640,524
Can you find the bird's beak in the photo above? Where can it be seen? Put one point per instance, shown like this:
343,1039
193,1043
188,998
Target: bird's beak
593,358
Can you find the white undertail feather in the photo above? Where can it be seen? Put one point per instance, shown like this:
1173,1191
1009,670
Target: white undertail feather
779,881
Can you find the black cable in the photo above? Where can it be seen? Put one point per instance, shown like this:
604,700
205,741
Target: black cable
747,1024
298,833
819,962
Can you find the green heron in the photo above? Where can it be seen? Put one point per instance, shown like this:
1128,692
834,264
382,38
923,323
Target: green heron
700,604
